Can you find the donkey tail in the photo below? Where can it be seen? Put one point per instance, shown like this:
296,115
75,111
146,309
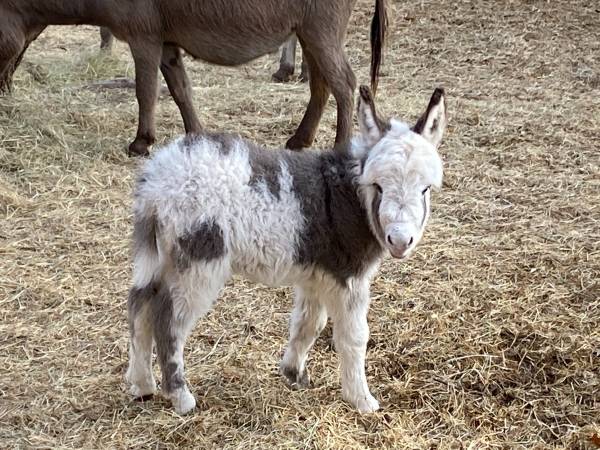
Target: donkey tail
147,265
379,26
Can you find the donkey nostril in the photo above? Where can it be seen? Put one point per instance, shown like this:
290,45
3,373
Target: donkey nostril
389,239
410,241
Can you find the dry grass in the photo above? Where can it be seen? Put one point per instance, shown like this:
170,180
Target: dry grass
488,338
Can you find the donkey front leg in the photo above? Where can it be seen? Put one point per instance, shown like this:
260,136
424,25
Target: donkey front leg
308,320
146,57
350,334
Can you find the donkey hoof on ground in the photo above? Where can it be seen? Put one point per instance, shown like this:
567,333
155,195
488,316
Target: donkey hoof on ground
183,401
303,78
283,74
295,379
142,392
296,143
364,403
138,148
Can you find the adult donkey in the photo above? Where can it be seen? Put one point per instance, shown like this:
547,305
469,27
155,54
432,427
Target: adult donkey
217,31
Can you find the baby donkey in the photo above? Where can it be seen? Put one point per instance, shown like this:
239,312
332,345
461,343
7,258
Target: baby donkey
214,205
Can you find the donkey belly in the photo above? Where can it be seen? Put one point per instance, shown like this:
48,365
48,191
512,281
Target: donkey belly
230,32
228,48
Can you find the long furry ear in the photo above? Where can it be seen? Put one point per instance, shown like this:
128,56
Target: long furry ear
371,127
432,123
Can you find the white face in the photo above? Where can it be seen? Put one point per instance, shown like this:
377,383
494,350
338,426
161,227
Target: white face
397,179
400,169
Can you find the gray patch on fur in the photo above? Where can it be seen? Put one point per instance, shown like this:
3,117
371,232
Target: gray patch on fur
172,377
158,298
375,215
137,300
162,317
204,242
266,167
337,237
223,141
424,210
145,229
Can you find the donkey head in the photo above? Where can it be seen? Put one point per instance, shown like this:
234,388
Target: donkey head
400,166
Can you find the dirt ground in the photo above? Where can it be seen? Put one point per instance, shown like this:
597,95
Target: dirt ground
489,337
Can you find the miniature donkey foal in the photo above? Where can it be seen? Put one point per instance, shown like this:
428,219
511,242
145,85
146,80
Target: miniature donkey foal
210,206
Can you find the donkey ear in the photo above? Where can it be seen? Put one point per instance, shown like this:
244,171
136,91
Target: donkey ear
371,127
432,123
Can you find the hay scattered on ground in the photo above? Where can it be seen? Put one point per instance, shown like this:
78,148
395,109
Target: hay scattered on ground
488,338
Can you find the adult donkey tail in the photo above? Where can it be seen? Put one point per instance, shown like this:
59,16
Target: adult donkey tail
378,28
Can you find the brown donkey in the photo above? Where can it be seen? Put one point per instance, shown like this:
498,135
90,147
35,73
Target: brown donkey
217,31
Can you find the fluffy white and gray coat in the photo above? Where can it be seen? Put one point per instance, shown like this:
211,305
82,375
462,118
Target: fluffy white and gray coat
216,205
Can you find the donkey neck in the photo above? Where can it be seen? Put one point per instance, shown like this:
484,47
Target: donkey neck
66,12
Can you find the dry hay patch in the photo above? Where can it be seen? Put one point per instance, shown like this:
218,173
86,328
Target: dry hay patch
487,338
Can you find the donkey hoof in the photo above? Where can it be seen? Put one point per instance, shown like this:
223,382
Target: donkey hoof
295,379
283,74
142,392
363,403
183,401
295,143
303,78
138,148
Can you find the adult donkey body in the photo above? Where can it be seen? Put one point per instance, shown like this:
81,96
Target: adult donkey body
217,31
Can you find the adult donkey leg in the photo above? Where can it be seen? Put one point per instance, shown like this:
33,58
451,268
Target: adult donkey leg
308,320
338,75
319,93
304,70
287,61
146,57
106,39
12,49
173,70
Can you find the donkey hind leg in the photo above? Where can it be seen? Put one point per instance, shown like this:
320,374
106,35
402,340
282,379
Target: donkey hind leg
319,93
146,57
139,374
307,321
304,74
337,74
287,61
173,70
106,39
174,317
350,335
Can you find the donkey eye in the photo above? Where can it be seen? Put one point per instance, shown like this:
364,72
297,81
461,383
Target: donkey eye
376,186
425,190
